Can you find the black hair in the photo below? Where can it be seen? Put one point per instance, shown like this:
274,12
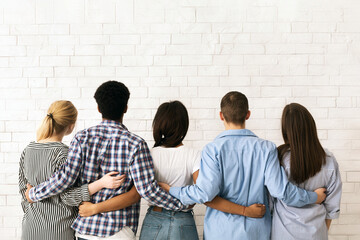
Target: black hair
170,124
234,106
112,98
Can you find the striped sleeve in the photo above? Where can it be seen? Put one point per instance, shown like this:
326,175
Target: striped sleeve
22,182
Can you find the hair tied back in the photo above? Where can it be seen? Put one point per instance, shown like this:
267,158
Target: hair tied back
50,115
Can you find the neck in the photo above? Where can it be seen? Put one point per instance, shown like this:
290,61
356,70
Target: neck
119,121
53,138
232,126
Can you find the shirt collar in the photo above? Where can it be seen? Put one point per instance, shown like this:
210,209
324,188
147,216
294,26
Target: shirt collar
236,132
113,123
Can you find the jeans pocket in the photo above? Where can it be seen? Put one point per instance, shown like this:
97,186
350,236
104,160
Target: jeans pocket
189,232
149,232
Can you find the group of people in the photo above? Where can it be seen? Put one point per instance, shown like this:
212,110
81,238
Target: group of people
91,190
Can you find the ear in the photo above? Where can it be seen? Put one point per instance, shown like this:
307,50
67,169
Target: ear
248,115
126,108
222,116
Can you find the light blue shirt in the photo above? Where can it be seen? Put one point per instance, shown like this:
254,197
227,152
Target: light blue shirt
308,223
240,167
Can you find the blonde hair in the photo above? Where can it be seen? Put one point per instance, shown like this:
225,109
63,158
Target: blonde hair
60,115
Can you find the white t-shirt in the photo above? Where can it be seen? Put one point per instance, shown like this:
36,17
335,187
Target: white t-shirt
175,166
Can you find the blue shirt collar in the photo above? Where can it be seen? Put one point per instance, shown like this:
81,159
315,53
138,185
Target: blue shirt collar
236,132
113,123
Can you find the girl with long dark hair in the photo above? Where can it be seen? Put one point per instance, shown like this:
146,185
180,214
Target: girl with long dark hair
309,166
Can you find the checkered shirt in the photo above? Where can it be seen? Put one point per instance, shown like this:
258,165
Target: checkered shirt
96,151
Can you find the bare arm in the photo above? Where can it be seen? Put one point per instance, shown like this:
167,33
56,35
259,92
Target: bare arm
328,222
119,202
221,204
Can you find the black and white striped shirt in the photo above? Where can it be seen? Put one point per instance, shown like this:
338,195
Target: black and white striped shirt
50,218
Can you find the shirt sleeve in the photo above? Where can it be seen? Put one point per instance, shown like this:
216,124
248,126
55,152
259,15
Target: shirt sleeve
76,195
333,198
279,186
142,172
63,178
22,182
208,183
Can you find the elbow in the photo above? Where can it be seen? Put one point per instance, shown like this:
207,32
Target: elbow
136,197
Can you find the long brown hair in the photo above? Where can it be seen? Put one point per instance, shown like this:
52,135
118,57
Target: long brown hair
170,125
300,138
60,115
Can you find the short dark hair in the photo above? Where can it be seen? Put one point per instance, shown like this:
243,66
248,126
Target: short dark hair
112,98
234,106
170,124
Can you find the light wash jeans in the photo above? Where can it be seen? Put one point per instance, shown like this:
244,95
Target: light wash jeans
168,225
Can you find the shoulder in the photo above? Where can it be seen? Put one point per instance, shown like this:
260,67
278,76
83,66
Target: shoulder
331,163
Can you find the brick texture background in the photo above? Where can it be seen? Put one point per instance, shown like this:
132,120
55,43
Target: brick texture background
276,52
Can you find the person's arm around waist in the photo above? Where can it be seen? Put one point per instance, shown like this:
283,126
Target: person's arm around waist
116,203
221,204
76,195
208,182
279,186
142,172
63,178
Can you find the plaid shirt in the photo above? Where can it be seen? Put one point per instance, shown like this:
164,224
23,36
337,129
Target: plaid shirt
96,151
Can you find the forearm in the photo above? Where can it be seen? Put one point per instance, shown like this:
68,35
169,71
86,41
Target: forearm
119,202
297,197
328,222
155,195
193,194
227,206
94,187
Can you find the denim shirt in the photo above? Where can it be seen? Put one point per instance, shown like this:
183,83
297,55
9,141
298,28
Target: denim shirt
242,168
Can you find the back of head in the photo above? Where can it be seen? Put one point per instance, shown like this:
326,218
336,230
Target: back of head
234,107
60,115
170,124
300,137
112,98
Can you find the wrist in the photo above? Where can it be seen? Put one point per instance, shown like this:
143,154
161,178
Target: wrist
244,211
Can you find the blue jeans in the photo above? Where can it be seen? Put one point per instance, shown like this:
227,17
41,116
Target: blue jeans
168,225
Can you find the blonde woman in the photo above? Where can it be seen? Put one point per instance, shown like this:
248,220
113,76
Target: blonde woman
52,218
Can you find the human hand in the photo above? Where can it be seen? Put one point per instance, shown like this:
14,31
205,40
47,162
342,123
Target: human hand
28,186
108,181
321,195
164,186
87,209
255,211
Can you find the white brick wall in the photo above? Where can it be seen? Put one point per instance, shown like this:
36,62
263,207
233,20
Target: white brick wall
276,52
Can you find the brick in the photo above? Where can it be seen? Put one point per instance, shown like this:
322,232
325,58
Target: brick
125,39
54,61
85,61
9,51
131,71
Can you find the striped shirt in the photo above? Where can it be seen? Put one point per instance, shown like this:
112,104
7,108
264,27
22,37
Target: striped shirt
50,218
96,151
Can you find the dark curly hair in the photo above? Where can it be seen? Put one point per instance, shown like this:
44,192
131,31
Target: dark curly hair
112,98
